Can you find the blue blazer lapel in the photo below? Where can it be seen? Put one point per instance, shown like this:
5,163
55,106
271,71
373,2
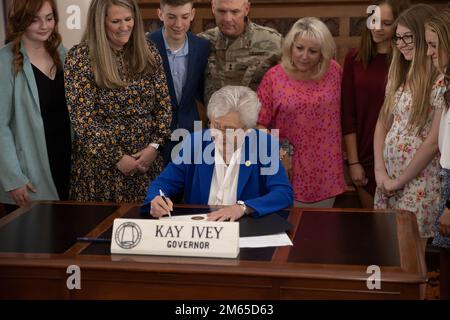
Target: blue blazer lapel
29,75
159,42
190,67
205,171
248,164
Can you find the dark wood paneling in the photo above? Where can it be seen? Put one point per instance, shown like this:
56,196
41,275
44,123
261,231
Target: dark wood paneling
343,18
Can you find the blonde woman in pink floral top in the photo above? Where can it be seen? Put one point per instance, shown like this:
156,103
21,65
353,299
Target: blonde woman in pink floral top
301,98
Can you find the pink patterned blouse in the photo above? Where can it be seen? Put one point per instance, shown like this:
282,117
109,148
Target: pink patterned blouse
307,113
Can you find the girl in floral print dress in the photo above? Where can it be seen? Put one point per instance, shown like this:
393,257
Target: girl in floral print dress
406,134
437,34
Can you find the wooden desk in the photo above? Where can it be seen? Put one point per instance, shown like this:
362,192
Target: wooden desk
332,250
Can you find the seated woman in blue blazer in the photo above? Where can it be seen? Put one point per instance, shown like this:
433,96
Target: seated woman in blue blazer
229,164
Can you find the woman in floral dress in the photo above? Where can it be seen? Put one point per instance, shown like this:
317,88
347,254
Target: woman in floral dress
437,33
406,134
119,106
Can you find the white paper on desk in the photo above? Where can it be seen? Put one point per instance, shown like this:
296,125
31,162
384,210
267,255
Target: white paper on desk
190,217
273,240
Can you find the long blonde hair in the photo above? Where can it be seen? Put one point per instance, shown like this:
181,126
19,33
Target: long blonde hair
440,24
418,75
137,54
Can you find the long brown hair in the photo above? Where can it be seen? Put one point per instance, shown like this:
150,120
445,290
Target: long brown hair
21,15
419,74
137,54
367,47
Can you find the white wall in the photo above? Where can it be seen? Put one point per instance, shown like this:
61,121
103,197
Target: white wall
2,24
72,20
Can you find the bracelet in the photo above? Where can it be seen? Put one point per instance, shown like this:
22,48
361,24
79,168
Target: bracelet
353,163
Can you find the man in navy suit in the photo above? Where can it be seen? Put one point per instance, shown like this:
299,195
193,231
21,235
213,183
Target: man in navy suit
184,58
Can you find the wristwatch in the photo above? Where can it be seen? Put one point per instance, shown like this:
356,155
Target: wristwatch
447,204
243,206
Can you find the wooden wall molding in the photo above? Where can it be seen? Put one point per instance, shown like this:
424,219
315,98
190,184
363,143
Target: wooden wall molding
344,18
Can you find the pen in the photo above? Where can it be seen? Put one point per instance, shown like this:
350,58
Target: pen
86,239
161,193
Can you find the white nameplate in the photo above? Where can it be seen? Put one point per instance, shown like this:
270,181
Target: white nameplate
175,238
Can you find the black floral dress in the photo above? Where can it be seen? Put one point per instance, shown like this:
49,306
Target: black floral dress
110,123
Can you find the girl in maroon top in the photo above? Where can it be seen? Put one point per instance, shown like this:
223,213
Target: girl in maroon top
363,84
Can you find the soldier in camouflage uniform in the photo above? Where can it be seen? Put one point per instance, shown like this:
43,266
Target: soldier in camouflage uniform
241,51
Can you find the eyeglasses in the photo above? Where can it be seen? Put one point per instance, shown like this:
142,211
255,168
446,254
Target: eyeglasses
217,126
407,39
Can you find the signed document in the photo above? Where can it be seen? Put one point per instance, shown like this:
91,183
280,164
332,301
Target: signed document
273,240
190,217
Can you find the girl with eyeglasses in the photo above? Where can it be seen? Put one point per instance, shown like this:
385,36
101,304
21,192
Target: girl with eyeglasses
406,134
437,34
363,84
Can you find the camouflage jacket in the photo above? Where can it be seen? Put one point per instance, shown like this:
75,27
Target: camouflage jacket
241,61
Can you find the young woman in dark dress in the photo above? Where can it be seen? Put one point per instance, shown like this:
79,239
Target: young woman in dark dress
56,127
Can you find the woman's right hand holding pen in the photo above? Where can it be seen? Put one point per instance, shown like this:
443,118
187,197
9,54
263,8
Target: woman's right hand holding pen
160,206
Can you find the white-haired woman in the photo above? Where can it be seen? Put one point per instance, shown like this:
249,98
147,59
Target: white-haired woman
119,105
301,98
230,164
